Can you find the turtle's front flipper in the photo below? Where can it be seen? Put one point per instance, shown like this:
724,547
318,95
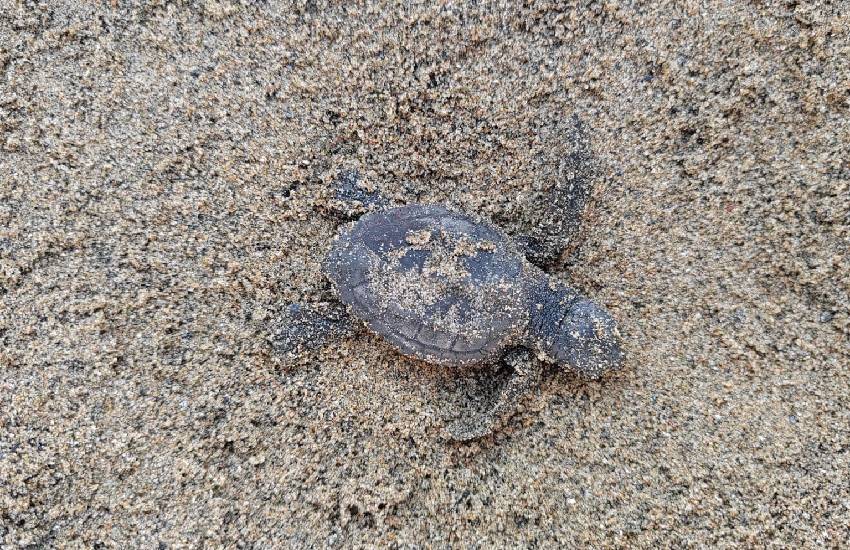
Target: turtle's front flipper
305,327
350,199
557,213
528,371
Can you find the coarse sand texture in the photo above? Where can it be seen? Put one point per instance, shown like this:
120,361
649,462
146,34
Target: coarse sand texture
167,180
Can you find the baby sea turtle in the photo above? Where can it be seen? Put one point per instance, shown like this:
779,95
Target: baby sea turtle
447,289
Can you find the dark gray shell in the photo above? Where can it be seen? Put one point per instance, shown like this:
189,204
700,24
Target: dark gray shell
438,285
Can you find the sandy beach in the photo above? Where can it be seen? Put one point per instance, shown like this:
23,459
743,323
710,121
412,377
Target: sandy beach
165,175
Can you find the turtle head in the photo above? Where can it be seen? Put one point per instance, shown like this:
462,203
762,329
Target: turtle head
575,332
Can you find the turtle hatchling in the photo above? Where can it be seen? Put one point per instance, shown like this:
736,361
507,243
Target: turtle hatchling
447,289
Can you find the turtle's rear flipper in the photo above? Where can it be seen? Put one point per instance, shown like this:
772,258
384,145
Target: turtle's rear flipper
306,327
528,372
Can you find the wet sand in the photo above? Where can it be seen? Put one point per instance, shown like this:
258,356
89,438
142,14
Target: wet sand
165,173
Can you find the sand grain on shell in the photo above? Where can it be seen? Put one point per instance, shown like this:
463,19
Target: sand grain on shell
162,172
